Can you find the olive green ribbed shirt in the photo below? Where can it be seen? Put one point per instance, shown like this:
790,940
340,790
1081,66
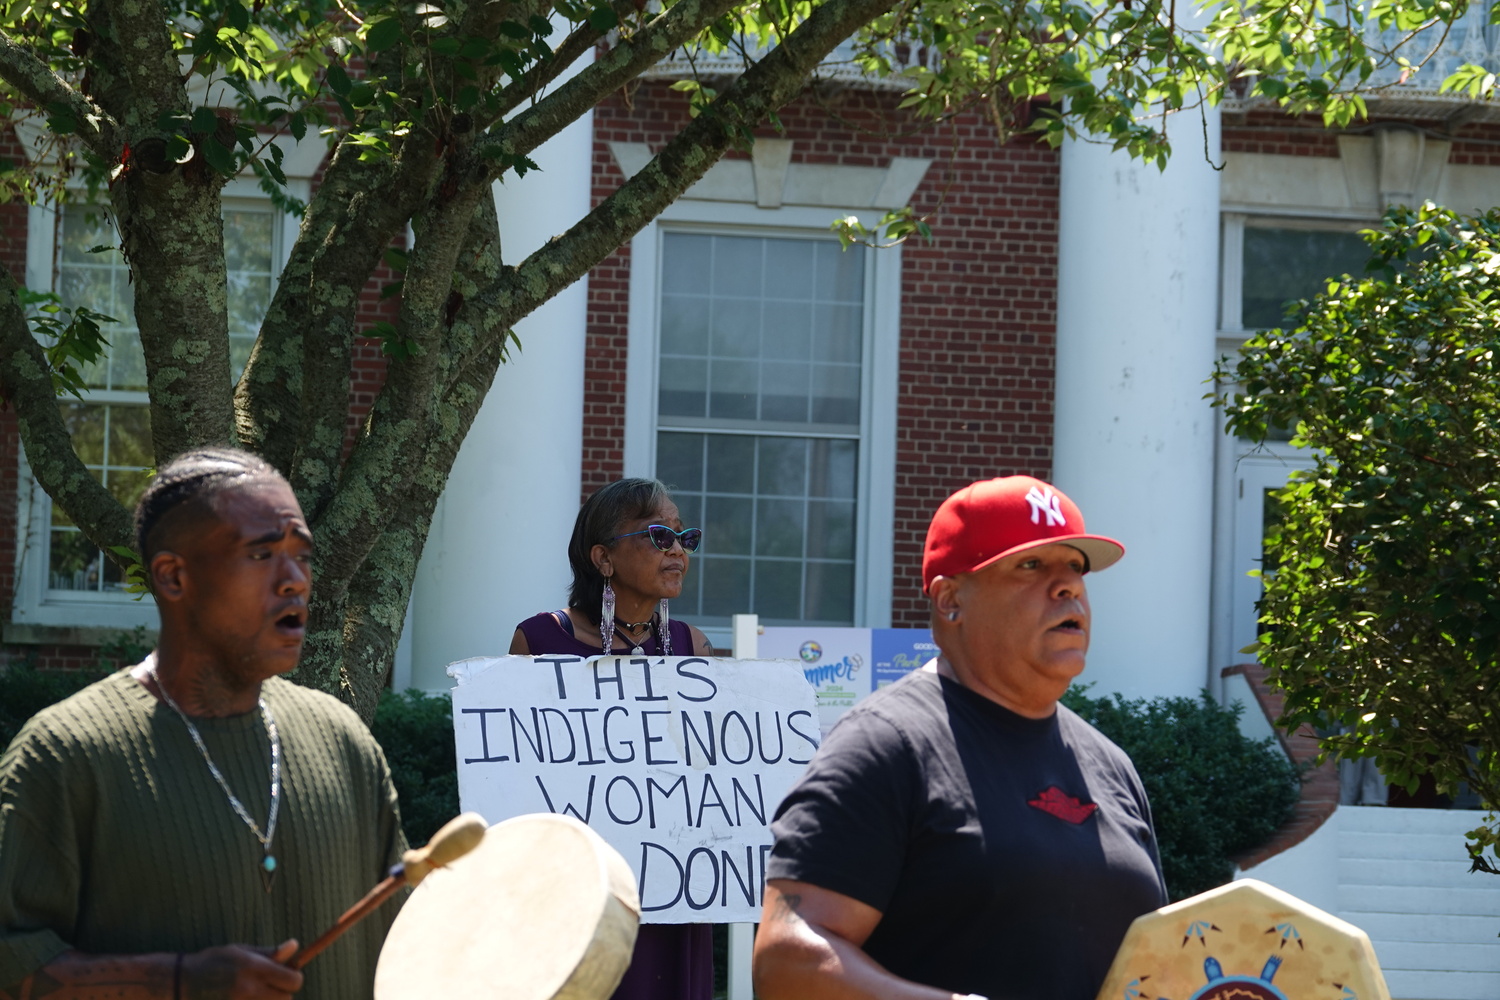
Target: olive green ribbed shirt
115,838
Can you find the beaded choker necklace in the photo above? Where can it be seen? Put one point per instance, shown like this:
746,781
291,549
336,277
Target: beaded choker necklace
268,863
638,632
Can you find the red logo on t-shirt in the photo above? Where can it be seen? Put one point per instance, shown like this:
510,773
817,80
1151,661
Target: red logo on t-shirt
1062,805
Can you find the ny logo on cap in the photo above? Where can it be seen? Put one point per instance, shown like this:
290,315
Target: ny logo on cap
1048,503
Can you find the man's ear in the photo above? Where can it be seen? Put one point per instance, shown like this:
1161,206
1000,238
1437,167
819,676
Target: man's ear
599,555
943,592
168,575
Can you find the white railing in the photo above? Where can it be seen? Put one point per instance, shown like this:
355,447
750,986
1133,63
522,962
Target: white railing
1438,51
838,66
1471,39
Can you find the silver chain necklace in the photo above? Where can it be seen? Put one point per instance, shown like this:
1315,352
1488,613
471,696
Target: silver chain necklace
268,864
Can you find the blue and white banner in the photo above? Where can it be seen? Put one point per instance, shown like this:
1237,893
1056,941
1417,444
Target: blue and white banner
846,664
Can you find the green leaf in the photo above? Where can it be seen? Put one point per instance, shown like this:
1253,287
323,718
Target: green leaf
338,80
60,119
237,16
297,125
603,19
204,121
382,33
219,156
392,344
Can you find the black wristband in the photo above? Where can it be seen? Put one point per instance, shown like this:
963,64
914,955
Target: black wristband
177,978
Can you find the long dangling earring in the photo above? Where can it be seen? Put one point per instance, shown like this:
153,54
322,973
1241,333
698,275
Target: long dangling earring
607,619
666,633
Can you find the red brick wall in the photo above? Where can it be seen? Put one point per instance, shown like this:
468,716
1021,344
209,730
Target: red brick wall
1276,133
368,375
978,306
1475,144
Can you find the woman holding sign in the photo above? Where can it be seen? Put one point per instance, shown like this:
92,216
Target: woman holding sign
629,554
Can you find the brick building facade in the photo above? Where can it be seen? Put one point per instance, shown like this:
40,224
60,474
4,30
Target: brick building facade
978,305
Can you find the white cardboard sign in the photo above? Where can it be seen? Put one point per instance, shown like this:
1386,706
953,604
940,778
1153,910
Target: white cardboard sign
678,762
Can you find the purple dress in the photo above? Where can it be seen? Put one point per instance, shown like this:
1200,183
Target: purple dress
671,961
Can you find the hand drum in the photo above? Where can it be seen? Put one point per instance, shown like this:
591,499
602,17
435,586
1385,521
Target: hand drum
1244,941
542,909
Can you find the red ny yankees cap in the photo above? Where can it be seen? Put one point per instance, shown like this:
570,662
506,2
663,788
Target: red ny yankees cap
993,518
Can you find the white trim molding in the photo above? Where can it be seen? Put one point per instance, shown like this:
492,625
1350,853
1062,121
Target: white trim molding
769,179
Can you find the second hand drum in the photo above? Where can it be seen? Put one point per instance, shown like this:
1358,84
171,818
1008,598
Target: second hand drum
542,909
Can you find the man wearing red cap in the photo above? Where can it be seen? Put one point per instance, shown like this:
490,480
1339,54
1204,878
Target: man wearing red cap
960,834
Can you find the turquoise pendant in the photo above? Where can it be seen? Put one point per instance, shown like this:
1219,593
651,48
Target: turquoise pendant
270,863
268,871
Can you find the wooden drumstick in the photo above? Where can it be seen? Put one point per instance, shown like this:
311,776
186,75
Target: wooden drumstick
457,837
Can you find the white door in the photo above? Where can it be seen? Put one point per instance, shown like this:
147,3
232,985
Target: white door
1255,477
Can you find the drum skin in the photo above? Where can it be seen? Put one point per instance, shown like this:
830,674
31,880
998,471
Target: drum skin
542,909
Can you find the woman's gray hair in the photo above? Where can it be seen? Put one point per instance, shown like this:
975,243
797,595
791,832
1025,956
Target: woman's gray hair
598,522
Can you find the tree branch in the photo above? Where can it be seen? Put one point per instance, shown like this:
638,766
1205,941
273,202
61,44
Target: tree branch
172,230
335,245
583,38
146,59
370,215
352,636
292,400
763,88
26,383
48,91
375,611
623,63
409,414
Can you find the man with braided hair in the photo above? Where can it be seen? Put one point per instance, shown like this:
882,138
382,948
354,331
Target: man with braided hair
172,831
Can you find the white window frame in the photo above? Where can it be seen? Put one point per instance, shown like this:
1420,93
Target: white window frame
1232,331
34,603
875,490
1244,469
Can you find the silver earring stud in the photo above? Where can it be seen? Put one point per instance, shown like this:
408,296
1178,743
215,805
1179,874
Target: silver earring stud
953,616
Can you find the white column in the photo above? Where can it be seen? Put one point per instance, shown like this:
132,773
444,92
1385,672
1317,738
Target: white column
498,549
1134,439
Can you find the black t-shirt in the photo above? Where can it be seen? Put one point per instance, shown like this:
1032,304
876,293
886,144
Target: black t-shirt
1007,855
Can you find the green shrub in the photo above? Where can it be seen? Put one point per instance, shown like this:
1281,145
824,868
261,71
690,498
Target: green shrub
416,732
1215,793
125,649
25,691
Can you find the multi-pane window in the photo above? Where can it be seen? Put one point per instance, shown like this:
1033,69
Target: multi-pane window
111,427
760,375
1283,265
